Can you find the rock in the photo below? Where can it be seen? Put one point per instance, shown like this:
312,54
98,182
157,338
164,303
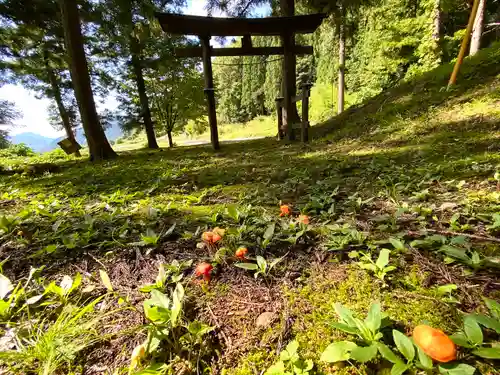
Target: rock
447,206
265,319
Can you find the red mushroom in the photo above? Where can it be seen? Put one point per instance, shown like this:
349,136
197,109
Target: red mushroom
285,210
204,269
241,252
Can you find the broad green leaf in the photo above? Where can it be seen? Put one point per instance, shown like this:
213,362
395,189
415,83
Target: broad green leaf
424,360
404,345
473,330
105,280
5,286
268,234
397,243
368,266
446,289
374,317
159,299
489,353
177,304
337,351
388,353
232,212
56,289
261,262
383,258
247,266
344,314
76,282
365,353
456,369
276,369
345,328
399,368
160,278
461,340
290,352
493,306
275,262
455,252
488,322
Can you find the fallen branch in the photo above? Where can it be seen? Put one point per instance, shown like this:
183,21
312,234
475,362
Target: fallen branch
450,234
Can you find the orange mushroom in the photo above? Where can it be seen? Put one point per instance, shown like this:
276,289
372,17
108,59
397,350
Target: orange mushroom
435,343
204,269
241,252
285,210
304,219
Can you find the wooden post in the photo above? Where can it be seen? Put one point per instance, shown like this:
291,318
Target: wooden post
289,80
209,90
465,42
304,134
279,113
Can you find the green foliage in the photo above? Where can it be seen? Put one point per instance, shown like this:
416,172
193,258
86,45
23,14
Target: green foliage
290,362
262,267
380,267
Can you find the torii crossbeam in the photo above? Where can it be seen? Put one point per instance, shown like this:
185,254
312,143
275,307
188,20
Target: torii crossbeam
206,27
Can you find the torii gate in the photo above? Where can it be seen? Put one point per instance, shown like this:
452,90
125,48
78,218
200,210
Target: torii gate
206,27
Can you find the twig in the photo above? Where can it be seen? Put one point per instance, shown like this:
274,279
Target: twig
229,343
450,233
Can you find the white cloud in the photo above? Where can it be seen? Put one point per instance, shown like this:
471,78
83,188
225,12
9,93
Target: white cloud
34,111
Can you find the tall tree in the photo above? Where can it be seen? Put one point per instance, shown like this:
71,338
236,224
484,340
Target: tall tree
98,144
477,29
8,114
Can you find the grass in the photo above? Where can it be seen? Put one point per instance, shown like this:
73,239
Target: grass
414,170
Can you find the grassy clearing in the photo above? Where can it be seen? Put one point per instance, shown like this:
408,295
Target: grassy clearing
414,171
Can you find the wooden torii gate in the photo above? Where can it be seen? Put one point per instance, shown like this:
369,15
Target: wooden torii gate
206,27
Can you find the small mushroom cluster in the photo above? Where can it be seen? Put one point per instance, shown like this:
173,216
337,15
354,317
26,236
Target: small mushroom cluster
285,210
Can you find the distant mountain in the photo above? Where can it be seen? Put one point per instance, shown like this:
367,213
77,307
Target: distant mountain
35,141
39,143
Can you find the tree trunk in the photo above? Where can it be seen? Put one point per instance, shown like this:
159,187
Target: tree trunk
170,142
99,147
341,78
289,86
56,93
143,97
477,29
436,30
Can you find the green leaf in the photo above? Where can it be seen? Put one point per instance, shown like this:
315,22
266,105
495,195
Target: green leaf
446,289
493,306
488,353
404,345
424,360
276,369
177,304
261,262
388,353
383,258
290,352
159,299
456,369
247,266
268,234
345,328
105,280
461,340
488,322
5,286
169,231
398,244
345,314
337,351
368,266
455,252
365,353
399,368
374,317
473,330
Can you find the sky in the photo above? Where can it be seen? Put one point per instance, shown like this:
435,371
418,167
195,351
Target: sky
35,110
